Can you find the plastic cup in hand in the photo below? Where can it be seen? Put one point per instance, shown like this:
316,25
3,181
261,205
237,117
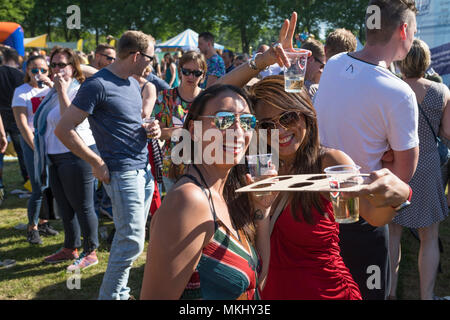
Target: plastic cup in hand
294,76
259,166
148,120
40,83
346,210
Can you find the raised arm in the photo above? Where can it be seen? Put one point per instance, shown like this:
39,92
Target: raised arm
241,75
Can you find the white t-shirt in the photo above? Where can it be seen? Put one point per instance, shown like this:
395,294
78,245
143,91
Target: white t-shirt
29,97
52,143
364,110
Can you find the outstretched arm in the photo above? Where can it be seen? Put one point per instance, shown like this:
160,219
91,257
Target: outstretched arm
276,54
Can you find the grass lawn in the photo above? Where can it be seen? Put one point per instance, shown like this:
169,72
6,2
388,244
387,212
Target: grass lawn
33,279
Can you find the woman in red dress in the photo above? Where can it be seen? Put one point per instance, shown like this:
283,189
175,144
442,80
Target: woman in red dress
304,256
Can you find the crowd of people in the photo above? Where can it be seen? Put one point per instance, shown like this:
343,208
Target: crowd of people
100,130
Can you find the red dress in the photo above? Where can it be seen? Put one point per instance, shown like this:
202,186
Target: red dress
156,200
305,261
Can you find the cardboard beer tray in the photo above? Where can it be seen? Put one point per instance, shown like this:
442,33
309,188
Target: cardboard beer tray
300,182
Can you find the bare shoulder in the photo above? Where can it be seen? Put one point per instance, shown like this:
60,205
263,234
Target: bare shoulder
334,157
88,71
184,209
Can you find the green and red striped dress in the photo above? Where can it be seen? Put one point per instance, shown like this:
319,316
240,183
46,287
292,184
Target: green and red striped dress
228,269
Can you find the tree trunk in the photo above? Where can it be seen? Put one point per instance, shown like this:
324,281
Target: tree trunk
96,36
244,40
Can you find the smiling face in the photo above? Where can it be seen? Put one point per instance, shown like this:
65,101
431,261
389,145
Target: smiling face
291,136
234,145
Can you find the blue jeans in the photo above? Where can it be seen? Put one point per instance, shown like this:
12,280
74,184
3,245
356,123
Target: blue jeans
131,194
35,201
72,184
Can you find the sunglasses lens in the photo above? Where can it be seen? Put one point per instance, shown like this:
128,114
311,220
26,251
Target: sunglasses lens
247,121
289,119
34,71
185,72
224,120
44,70
198,73
267,125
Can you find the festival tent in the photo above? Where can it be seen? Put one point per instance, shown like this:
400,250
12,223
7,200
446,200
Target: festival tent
11,34
36,42
187,40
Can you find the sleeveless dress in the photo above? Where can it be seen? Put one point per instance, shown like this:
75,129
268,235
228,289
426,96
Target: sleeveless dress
305,261
428,202
228,268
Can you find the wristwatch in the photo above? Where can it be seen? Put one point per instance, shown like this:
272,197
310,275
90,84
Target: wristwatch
406,203
252,63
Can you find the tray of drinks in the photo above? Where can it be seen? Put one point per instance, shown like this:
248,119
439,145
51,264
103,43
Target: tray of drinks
308,182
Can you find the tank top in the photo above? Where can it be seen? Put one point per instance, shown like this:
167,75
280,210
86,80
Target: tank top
229,266
305,261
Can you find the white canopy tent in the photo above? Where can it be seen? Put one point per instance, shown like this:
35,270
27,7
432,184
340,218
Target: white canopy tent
187,40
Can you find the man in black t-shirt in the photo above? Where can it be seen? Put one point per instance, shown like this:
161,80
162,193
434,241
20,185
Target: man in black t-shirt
10,78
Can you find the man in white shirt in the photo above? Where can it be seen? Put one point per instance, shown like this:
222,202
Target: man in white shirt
365,110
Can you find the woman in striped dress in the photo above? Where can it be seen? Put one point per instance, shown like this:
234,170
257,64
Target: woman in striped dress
202,239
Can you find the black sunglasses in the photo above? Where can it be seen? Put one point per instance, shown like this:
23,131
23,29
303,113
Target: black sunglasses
108,57
36,70
224,120
286,120
61,65
322,65
145,55
187,72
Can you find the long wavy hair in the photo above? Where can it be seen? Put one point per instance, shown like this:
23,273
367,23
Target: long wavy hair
238,203
73,60
270,91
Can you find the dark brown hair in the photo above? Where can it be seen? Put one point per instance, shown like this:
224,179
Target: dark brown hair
392,14
193,56
238,203
73,60
27,78
270,91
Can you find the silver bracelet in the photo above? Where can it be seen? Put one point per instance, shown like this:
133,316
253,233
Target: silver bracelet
252,63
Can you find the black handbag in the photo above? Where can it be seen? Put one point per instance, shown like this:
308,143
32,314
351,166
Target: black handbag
444,152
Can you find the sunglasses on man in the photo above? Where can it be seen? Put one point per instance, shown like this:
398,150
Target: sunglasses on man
145,55
108,57
224,120
37,70
187,72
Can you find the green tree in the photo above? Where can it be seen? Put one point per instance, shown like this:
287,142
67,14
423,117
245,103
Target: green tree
247,17
15,10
